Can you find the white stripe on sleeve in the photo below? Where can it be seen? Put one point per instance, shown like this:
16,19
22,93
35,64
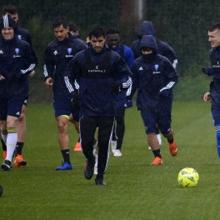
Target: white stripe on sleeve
168,86
68,84
29,69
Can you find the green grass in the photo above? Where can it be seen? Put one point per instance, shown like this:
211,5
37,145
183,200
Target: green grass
134,190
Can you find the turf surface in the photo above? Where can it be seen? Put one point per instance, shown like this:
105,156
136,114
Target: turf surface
134,189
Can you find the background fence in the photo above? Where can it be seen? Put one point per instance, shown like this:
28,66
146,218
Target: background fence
183,24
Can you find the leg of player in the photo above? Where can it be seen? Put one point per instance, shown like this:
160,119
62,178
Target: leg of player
77,146
217,127
114,138
158,138
21,131
172,144
63,139
154,144
10,142
3,136
120,130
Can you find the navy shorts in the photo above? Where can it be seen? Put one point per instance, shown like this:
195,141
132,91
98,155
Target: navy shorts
215,109
62,106
11,106
25,101
159,117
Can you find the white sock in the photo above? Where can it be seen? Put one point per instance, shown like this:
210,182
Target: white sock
159,139
11,144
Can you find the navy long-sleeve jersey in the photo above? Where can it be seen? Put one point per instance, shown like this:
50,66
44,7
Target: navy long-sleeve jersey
151,77
126,53
23,34
16,62
56,58
215,73
97,75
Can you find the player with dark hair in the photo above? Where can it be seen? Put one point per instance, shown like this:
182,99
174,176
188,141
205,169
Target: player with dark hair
57,56
154,78
214,72
113,41
21,34
16,62
100,73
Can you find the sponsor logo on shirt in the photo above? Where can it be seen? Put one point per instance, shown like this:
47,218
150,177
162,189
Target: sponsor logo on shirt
217,65
69,52
156,69
97,70
17,53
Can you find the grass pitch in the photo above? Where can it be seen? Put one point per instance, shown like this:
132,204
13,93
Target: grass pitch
135,190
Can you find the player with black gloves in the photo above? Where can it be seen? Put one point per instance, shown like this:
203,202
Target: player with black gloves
99,72
124,101
154,78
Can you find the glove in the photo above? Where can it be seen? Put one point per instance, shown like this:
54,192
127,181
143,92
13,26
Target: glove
128,104
20,75
75,100
116,87
208,71
165,93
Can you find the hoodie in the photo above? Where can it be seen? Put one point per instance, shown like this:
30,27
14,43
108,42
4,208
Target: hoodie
153,77
147,28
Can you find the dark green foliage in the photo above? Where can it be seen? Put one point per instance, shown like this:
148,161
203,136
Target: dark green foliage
184,25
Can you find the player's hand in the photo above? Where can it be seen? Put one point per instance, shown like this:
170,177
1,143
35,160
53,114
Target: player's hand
116,87
208,71
32,74
129,103
49,82
206,97
165,93
75,100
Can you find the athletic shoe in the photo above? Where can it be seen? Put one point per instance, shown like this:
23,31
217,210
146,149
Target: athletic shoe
4,153
157,161
6,165
89,169
117,153
64,166
99,181
173,149
113,145
19,161
77,147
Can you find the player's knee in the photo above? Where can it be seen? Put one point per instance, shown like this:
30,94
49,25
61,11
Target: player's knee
22,117
62,125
